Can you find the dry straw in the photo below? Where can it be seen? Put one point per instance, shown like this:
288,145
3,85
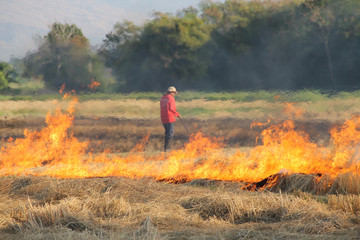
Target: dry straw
120,208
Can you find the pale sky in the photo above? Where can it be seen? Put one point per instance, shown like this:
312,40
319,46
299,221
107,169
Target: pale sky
21,20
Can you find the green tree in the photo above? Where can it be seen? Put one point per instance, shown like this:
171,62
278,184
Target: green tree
166,50
322,15
284,44
64,57
8,71
329,28
121,51
3,81
175,46
241,44
240,28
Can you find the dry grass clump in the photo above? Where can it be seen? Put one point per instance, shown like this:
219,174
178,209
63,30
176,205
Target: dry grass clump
68,213
318,184
289,183
346,184
120,208
266,208
108,207
347,203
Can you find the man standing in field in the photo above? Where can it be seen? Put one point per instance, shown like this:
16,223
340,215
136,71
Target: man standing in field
168,114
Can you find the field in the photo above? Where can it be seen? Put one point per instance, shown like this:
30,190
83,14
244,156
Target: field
297,206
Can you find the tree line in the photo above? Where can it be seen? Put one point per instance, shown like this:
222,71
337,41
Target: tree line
235,45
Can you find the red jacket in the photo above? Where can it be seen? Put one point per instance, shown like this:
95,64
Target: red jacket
168,109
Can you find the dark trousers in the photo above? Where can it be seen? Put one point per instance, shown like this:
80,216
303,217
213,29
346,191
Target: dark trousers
169,133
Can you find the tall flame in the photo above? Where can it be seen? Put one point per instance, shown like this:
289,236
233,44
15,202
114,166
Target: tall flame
54,152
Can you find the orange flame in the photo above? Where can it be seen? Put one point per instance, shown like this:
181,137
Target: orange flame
93,85
51,146
346,144
291,111
259,124
54,152
62,87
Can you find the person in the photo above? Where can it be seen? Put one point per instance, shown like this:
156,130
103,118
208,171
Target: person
168,114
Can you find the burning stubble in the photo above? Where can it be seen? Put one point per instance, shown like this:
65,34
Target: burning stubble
54,151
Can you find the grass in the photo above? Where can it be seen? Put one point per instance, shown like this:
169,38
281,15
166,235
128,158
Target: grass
328,109
196,111
259,105
36,91
120,208
297,207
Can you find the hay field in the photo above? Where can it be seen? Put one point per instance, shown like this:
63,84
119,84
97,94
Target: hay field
330,109
121,208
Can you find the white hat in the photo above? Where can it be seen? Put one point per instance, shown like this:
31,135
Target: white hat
172,89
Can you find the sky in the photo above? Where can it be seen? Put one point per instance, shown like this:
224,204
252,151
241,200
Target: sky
22,20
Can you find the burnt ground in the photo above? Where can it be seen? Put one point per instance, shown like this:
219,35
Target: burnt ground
121,135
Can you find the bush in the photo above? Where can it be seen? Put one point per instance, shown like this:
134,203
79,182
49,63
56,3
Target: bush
3,81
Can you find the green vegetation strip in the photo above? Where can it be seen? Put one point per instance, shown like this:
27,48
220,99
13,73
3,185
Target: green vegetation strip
239,96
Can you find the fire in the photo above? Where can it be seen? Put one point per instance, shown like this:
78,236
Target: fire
292,111
51,146
93,85
55,152
62,88
347,142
